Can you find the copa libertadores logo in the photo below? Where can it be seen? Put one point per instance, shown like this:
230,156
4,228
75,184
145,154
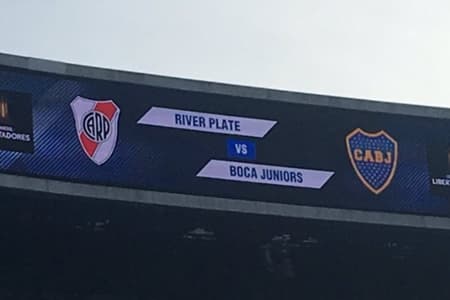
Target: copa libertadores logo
16,122
373,157
97,127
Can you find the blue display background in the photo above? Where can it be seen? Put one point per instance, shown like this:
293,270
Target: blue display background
235,149
164,159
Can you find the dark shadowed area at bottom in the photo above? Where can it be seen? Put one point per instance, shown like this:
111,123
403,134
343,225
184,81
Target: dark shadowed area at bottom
55,247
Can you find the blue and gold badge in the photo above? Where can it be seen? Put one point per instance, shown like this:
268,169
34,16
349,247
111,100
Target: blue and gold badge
373,157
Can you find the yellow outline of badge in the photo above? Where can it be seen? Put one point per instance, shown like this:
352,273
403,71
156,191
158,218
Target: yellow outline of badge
394,167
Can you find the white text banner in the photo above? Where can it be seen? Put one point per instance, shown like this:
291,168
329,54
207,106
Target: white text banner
265,174
199,121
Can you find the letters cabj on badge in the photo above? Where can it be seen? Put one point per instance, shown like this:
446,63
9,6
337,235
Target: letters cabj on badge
97,127
373,157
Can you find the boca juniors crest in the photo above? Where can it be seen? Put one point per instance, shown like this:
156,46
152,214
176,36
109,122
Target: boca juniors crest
97,127
374,158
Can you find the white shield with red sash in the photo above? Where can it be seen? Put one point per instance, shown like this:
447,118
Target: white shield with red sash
97,127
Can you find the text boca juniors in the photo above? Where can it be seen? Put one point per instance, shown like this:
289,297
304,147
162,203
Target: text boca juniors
265,174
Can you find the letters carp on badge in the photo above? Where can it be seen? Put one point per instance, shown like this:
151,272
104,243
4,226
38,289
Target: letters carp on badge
373,157
96,123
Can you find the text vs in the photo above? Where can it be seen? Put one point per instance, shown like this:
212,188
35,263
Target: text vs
241,149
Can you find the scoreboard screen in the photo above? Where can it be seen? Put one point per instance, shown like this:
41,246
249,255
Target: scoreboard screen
164,139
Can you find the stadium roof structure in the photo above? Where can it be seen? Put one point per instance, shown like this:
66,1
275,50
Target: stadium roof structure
218,203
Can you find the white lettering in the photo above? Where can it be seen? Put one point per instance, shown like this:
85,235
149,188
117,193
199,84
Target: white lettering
266,174
441,181
241,149
7,135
